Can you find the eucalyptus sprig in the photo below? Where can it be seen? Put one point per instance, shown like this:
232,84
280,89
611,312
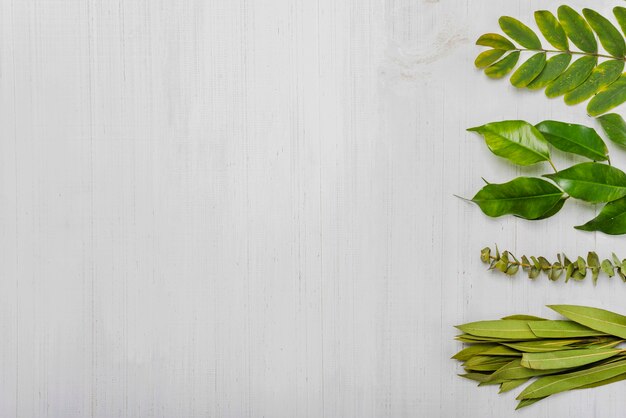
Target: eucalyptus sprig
578,269
594,74
581,352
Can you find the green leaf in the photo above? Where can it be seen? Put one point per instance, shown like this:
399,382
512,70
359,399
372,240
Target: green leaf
611,219
567,358
502,350
601,76
554,68
502,67
512,384
471,351
486,363
519,32
514,370
527,402
525,317
542,346
576,139
612,96
516,140
488,57
561,329
529,70
620,15
495,41
612,41
577,29
594,318
614,127
509,329
551,29
526,197
550,385
573,77
477,377
614,379
592,182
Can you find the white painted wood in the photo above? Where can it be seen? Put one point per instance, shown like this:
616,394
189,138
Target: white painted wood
234,208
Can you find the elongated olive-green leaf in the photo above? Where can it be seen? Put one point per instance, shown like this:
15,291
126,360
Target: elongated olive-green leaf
620,15
471,351
542,346
592,182
551,29
614,127
486,363
525,317
577,29
519,32
567,358
550,385
561,329
594,318
477,377
554,68
496,41
502,67
512,384
509,328
612,41
617,378
601,76
573,77
611,219
516,140
502,350
488,57
514,370
612,96
526,197
527,402
529,70
576,139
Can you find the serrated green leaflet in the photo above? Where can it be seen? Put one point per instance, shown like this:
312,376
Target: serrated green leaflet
573,77
611,219
549,385
529,70
592,182
614,127
561,329
567,358
577,29
610,38
551,29
601,76
495,41
594,318
519,32
510,329
488,57
609,98
576,139
516,140
503,67
554,67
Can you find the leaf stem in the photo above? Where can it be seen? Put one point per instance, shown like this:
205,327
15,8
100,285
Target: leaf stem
553,167
588,54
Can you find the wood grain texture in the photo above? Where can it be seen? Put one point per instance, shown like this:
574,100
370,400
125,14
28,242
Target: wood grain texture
236,208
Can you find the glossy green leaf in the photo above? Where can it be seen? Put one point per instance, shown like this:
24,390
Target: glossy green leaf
573,77
550,385
488,57
592,182
601,76
612,41
567,358
614,127
576,139
526,197
516,140
554,68
609,98
594,318
519,32
561,329
620,15
551,29
511,329
577,29
611,219
503,67
529,70
495,41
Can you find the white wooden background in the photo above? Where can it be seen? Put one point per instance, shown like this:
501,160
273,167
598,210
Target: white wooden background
238,208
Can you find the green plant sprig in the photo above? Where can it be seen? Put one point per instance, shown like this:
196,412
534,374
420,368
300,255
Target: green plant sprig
578,269
556,356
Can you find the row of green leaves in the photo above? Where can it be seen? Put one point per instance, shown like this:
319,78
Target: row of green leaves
510,265
585,78
579,353
537,198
